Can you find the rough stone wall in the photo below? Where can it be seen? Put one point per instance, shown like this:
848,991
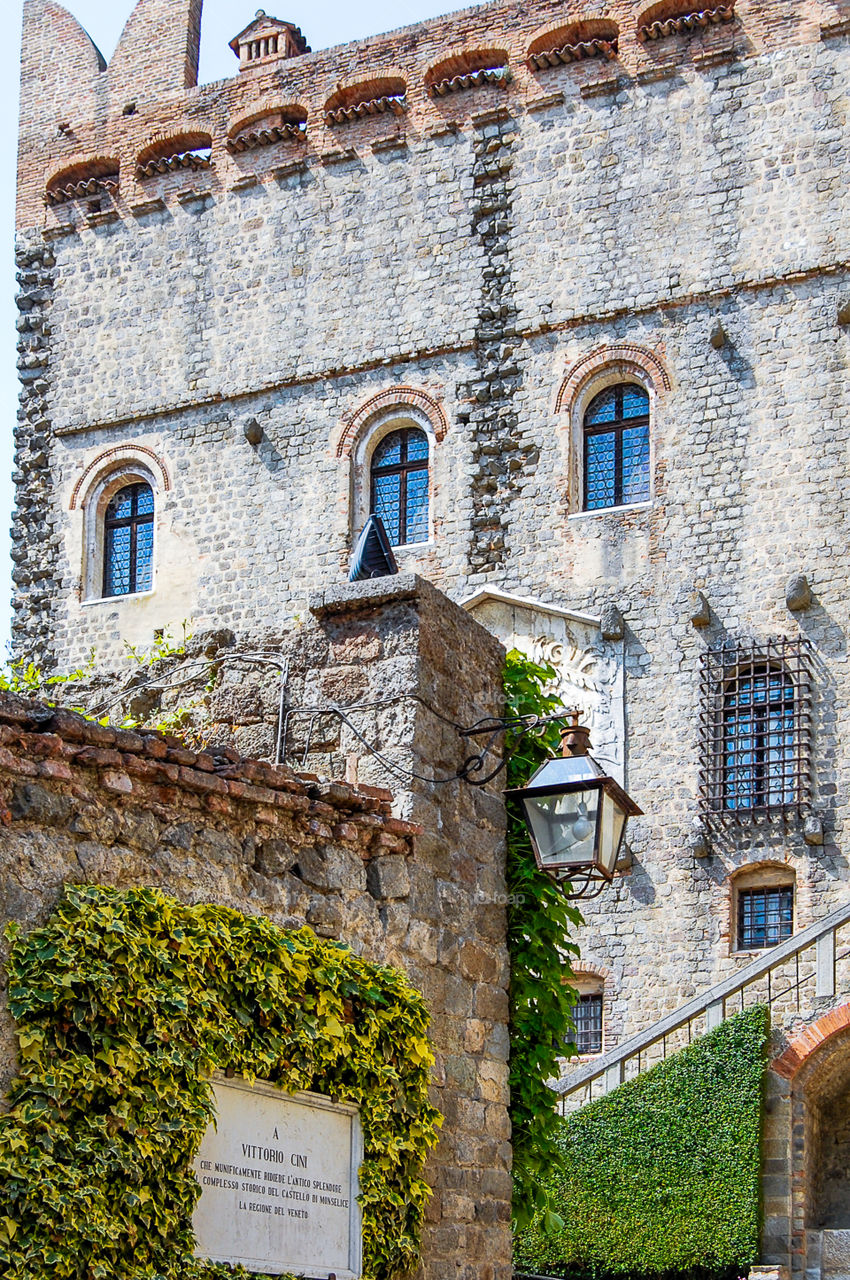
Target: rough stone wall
479,248
80,802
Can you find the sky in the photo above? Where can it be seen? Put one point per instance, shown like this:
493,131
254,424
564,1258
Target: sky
324,23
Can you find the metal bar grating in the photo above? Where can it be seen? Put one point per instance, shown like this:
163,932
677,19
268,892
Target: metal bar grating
756,729
587,1018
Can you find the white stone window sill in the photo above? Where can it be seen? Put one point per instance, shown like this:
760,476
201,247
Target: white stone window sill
413,546
131,595
754,952
612,511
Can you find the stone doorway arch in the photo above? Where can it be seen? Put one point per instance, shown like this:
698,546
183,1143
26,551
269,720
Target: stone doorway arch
817,1064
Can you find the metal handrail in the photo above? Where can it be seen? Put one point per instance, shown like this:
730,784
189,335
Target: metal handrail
712,1002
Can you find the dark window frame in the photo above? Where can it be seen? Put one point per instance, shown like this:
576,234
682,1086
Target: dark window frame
402,469
588,1023
617,426
756,750
133,522
756,902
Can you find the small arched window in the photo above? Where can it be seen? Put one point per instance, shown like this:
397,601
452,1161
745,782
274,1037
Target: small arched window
759,735
128,541
616,447
399,485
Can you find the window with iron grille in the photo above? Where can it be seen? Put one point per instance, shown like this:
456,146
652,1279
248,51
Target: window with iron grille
756,724
765,917
587,1016
399,487
128,541
616,447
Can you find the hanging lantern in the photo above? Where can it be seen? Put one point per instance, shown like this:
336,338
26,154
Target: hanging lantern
576,814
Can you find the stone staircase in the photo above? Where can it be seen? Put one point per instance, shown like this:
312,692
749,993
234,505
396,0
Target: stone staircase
806,967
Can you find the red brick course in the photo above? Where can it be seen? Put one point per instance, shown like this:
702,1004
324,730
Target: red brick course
147,95
60,746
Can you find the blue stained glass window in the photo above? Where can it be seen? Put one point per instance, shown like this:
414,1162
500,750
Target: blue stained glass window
599,468
616,447
759,758
603,408
128,541
388,452
386,502
400,485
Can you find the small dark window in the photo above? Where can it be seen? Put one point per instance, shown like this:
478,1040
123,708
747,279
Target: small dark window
128,541
765,917
756,725
587,1016
400,485
616,447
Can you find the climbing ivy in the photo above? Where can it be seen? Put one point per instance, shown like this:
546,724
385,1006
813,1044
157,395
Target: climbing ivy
126,1003
540,920
662,1176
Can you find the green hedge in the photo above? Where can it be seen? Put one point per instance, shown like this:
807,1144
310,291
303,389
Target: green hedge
663,1174
126,1003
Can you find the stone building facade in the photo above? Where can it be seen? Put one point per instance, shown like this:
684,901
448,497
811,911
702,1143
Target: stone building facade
471,228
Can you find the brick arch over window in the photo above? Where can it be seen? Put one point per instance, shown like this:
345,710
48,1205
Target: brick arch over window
624,355
400,398
111,459
584,969
84,177
810,1041
572,42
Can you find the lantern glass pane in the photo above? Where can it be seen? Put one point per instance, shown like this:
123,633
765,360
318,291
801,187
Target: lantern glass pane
611,829
564,827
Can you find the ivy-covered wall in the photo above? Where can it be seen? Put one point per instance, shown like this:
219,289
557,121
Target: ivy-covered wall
126,1004
663,1174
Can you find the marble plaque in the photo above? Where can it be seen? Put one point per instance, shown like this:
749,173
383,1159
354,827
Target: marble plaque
278,1177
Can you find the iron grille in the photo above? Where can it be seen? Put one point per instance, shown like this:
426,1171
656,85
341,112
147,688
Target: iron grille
765,917
756,709
587,1018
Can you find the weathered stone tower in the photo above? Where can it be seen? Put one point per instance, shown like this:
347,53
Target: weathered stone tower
562,289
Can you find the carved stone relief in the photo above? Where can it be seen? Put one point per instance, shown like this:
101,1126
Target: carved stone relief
590,669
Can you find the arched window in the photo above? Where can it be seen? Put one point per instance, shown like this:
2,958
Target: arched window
616,447
128,541
759,736
399,485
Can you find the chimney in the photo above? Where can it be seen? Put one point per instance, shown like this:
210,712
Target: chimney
266,40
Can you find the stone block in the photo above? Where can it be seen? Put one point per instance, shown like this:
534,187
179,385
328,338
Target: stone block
835,1253
387,878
